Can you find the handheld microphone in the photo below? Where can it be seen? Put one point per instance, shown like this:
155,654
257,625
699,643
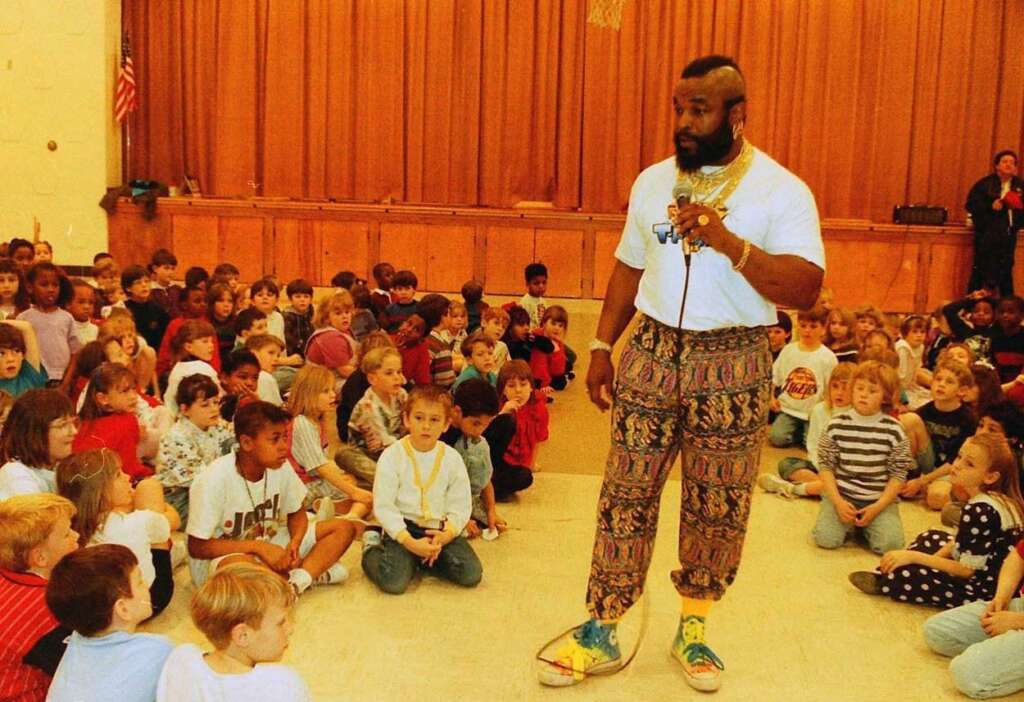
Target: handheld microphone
682,194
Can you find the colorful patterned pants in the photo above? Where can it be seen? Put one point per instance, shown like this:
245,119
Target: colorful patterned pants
705,394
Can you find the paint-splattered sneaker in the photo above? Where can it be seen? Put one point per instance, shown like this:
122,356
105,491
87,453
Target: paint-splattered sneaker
590,648
701,667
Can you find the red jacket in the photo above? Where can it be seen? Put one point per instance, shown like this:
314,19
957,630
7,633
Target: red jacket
531,429
416,363
118,432
24,619
546,366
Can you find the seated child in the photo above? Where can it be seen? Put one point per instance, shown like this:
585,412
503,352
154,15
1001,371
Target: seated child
800,375
100,594
267,350
840,336
329,489
249,322
983,638
493,322
457,322
220,312
298,316
357,384
520,340
37,434
422,521
110,510
230,273
472,295
403,300
192,305
936,432
20,367
44,251
413,347
376,420
163,291
245,612
192,350
240,380
35,534
869,318
364,321
1008,339
863,459
779,334
476,404
971,321
107,277
226,523
264,294
332,344
513,435
141,357
22,252
109,419
383,274
914,378
554,369
478,349
13,291
150,318
533,302
433,308
951,571
197,439
798,476
81,307
54,327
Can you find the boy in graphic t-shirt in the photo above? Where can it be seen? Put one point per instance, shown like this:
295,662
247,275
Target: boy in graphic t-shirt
800,376
244,508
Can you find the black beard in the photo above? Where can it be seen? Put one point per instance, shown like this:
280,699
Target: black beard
710,148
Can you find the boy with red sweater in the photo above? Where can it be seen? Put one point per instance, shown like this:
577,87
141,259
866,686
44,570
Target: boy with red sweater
552,369
415,356
514,434
35,533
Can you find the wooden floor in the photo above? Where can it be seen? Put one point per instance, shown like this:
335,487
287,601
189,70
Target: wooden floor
790,628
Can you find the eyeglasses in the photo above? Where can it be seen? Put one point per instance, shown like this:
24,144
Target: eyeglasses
65,424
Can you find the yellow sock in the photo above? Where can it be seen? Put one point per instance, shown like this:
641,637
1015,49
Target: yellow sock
691,622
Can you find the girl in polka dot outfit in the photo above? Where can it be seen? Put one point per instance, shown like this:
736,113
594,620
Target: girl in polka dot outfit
941,571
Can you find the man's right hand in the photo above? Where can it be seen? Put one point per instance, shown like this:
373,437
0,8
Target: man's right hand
600,377
997,205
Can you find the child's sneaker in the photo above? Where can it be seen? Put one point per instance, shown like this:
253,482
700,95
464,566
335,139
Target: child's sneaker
300,580
701,667
335,575
590,648
867,582
371,539
769,482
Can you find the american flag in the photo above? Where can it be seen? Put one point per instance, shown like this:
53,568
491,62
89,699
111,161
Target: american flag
126,98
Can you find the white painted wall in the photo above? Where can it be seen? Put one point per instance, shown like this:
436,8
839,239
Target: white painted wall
58,64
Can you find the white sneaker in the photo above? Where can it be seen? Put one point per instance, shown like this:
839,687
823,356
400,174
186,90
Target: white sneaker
769,482
179,552
335,575
300,580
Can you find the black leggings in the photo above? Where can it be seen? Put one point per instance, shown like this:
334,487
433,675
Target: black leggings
507,478
162,589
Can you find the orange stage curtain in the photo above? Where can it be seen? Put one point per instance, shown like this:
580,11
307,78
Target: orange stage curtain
489,102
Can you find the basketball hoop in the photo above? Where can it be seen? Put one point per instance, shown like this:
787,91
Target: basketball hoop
606,13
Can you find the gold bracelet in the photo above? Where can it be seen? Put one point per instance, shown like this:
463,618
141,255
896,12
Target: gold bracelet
743,259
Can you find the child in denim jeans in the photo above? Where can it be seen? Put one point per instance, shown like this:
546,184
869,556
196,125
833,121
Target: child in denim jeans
863,457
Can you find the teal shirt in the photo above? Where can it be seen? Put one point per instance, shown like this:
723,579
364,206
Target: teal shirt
470,372
27,379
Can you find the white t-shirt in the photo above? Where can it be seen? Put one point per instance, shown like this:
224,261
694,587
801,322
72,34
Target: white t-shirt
275,325
18,479
771,208
86,331
802,377
187,678
821,415
137,530
182,370
268,390
911,360
224,505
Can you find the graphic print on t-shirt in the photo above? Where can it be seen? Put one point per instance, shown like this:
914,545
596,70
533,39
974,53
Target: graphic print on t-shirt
260,523
800,384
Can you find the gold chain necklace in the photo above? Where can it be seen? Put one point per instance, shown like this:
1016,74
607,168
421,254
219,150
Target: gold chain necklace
714,189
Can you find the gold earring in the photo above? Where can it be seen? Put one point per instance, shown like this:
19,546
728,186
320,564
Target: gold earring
737,130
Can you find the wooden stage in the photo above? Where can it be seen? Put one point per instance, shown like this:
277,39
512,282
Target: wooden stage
899,268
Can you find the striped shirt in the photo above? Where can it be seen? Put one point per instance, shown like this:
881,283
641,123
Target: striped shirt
25,620
865,453
442,370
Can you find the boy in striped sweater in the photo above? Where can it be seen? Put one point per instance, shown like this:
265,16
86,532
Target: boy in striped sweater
864,456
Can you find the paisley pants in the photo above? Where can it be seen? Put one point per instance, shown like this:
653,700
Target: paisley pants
705,394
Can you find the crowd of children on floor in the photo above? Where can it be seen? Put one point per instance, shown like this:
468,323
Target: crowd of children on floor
146,424
925,409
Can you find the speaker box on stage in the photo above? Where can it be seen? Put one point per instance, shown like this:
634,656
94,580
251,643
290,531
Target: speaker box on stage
919,214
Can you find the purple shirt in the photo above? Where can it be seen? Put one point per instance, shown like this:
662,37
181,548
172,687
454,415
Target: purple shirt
55,332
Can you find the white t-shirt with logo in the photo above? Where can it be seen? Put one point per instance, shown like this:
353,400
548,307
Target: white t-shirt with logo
224,505
18,479
771,208
802,377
